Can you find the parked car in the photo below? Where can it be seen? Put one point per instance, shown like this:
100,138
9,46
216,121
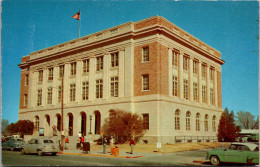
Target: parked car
246,153
40,145
13,144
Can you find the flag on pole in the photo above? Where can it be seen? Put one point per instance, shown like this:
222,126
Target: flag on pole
77,16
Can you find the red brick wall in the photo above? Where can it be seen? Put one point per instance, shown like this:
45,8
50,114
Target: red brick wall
24,89
156,68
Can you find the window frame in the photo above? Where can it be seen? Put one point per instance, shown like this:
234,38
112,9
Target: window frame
99,88
114,59
85,90
145,54
72,92
174,85
177,120
145,82
73,68
146,121
114,86
50,74
185,89
99,63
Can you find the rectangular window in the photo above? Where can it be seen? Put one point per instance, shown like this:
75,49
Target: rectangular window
39,97
195,91
25,100
114,59
195,67
146,121
84,90
203,71
197,124
145,82
145,54
61,71
73,67
211,74
99,63
72,92
26,80
99,88
185,63
175,56
212,96
114,87
175,86
206,125
49,97
204,94
40,76
187,123
59,94
50,74
185,89
85,66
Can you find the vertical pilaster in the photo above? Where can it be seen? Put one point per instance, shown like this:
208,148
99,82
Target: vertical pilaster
181,75
44,87
55,85
32,89
215,88
191,78
78,80
66,83
170,71
121,73
208,85
91,78
200,82
129,71
106,76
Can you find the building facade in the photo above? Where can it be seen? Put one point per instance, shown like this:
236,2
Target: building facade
150,67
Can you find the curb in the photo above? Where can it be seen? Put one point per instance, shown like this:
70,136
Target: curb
200,161
98,155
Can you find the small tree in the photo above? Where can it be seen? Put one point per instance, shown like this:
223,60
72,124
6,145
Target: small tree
227,130
22,127
5,123
247,121
123,125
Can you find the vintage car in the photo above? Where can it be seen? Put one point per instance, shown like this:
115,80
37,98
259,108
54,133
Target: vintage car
246,153
13,144
40,146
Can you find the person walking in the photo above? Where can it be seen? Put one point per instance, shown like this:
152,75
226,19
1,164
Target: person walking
104,145
132,144
78,143
112,142
66,142
82,142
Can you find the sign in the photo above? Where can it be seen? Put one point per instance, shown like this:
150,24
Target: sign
159,145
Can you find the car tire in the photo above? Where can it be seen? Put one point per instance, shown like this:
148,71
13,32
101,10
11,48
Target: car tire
22,152
214,160
53,154
40,152
12,149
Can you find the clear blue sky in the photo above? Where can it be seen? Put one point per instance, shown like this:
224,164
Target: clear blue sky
230,27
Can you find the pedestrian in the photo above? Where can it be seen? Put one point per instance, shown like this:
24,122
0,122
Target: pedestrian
132,144
54,130
78,143
104,144
112,142
66,142
81,142
79,134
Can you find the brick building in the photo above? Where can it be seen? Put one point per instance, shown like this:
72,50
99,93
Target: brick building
150,67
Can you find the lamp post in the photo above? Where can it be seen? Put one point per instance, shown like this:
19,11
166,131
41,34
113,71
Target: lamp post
90,117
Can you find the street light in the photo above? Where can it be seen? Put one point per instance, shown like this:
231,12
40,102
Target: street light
90,117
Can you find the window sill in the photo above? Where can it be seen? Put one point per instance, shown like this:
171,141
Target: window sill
145,90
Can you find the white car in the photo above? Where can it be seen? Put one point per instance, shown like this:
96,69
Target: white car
40,146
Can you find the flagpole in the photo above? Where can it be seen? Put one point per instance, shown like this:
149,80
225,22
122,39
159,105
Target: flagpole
79,21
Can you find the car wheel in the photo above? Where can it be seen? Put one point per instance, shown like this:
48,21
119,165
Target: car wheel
214,160
53,154
22,151
12,149
40,152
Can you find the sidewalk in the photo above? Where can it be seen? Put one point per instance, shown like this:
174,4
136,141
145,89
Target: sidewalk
99,153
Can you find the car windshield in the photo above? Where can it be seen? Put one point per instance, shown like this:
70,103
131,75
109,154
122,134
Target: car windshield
47,141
